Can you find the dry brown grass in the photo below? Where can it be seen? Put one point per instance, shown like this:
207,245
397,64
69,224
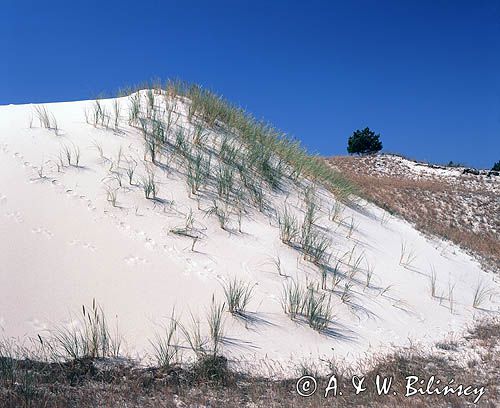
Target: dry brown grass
119,383
463,209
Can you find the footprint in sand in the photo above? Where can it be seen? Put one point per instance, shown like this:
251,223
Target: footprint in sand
16,216
86,245
124,226
90,206
44,231
135,260
150,244
71,193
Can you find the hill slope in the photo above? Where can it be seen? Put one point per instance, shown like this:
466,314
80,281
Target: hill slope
74,228
456,203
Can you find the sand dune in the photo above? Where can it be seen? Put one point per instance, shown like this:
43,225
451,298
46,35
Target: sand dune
63,243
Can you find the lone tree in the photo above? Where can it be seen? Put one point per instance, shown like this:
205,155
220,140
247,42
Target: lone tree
364,142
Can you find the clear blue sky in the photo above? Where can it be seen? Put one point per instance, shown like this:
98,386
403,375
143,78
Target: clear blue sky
426,75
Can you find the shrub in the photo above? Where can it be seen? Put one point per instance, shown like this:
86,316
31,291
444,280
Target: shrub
364,142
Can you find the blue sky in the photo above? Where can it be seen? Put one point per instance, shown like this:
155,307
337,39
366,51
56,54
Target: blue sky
425,75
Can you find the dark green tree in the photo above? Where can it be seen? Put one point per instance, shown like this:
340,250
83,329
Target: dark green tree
364,142
496,166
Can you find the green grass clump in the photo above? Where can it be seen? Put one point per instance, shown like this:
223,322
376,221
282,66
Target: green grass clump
238,295
313,307
267,151
288,225
92,339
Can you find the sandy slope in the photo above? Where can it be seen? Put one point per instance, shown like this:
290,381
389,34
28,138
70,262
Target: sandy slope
62,244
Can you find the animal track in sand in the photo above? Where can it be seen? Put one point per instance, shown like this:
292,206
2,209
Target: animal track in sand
16,216
44,231
135,260
81,244
150,244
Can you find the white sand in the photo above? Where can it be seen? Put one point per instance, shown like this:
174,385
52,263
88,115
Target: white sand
62,244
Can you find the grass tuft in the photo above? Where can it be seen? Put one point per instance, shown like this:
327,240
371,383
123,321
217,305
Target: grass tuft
238,294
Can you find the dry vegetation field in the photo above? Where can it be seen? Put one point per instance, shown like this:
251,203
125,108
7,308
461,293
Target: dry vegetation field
472,359
448,202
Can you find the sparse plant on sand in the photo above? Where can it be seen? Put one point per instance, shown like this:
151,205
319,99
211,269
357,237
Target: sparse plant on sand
216,324
288,226
165,345
324,276
481,293
369,273
433,282
90,339
336,211
68,154
116,111
197,172
346,293
150,103
407,255
46,119
315,245
170,109
187,229
336,277
98,147
76,154
134,108
451,298
111,196
225,181
311,213
317,310
238,295
130,170
351,227
292,299
220,212
99,114
199,135
314,307
278,266
40,171
149,186
181,144
192,333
